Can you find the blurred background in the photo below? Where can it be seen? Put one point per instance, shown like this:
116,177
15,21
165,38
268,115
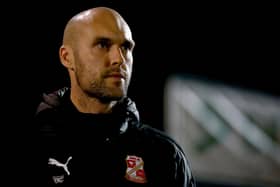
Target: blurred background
220,56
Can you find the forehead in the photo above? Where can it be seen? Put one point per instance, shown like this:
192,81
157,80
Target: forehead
108,25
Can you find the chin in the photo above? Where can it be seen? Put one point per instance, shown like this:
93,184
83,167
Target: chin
118,96
113,96
117,93
108,99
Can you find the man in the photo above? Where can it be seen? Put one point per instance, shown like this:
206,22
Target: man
90,133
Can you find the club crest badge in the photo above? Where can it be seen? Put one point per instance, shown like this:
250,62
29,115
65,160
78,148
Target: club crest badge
135,169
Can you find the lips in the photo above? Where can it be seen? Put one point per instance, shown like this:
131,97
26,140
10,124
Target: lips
116,75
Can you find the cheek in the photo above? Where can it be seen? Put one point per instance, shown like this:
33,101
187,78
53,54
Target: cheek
129,62
88,72
130,66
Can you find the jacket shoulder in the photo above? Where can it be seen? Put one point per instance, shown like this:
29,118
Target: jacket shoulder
161,136
168,148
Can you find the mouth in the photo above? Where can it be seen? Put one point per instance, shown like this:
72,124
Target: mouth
117,75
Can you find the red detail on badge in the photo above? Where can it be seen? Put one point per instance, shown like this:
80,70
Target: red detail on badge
135,169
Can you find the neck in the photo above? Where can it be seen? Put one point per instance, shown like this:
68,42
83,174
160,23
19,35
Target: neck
86,104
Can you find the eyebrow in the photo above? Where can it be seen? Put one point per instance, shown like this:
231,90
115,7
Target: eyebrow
108,40
103,39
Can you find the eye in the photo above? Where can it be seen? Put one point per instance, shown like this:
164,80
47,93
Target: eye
103,44
127,46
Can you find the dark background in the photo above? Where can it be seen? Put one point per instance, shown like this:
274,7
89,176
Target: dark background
234,42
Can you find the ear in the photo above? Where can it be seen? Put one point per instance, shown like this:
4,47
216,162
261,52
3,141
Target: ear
66,56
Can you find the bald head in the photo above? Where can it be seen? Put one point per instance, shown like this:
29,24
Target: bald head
98,16
97,52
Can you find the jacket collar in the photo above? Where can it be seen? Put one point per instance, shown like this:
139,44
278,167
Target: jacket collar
126,108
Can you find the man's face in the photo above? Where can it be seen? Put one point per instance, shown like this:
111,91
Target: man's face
103,59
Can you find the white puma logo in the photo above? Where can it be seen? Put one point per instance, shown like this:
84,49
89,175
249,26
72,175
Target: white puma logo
53,161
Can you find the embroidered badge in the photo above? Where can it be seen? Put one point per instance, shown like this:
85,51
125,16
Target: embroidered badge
135,169
59,178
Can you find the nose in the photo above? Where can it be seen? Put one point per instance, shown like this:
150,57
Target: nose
117,56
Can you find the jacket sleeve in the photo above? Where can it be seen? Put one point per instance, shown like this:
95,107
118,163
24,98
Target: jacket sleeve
41,150
184,176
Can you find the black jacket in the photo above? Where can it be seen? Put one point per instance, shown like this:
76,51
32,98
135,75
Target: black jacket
110,150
